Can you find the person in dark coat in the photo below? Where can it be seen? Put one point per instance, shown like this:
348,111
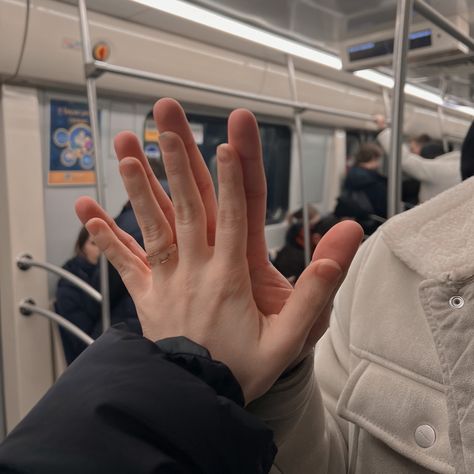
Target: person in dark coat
365,177
129,405
364,193
72,302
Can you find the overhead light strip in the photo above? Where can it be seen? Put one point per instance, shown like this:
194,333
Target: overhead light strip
228,25
410,89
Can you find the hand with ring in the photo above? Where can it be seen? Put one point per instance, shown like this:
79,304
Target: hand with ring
204,273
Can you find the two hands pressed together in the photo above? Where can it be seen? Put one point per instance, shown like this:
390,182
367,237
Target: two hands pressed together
218,287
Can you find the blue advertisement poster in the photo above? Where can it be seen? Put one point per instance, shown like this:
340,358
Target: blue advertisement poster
71,156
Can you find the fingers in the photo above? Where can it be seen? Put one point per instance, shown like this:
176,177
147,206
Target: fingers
245,138
318,284
157,233
190,215
309,298
231,232
127,144
130,268
170,116
86,209
340,243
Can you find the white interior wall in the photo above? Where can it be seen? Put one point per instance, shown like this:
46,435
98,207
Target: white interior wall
62,225
26,348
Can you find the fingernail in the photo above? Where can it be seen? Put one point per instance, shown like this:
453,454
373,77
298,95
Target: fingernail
223,153
126,168
328,269
92,228
166,141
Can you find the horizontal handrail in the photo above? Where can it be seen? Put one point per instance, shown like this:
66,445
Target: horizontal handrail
25,262
95,68
28,307
431,14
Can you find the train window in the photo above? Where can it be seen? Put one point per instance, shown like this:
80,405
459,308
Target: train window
210,131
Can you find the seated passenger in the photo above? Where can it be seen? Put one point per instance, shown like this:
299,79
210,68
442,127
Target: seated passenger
290,260
436,175
72,302
161,403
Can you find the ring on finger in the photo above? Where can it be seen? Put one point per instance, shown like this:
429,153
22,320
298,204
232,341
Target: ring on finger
162,256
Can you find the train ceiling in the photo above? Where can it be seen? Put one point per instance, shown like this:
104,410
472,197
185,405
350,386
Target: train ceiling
320,23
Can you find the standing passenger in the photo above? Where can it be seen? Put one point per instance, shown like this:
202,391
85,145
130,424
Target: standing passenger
436,175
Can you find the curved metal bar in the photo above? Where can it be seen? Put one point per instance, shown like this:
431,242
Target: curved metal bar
150,76
25,262
27,307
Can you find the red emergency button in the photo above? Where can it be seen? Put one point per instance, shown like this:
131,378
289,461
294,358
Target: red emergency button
101,51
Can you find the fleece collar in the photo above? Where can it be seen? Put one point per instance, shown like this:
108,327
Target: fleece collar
436,239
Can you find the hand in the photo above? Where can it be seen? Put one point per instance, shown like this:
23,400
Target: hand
210,280
379,120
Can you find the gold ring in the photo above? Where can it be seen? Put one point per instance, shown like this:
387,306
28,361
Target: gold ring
162,256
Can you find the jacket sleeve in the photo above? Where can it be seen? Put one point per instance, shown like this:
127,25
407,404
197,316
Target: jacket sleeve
127,405
423,170
301,409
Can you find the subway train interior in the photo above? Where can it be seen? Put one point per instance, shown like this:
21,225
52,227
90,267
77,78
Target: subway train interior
315,73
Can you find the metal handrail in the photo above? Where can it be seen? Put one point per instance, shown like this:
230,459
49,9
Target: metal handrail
25,262
96,142
94,68
428,12
28,307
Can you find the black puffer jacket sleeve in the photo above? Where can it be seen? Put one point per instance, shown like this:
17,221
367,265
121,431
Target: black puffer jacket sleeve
129,406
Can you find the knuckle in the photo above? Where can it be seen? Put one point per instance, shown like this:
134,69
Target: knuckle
173,166
231,218
187,213
152,230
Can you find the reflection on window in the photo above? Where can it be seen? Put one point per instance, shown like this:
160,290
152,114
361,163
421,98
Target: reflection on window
210,131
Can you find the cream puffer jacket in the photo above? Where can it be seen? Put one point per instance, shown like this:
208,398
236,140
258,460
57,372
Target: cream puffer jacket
393,387
436,175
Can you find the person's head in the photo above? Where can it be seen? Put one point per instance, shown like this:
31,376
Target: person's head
324,225
417,142
368,156
297,216
86,247
431,150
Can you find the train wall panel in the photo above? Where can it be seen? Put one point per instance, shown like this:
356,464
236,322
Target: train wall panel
12,27
53,55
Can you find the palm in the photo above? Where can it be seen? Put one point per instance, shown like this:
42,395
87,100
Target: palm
270,288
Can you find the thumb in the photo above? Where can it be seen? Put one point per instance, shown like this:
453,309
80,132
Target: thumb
313,290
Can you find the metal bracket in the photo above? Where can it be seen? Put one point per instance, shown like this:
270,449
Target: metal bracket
92,71
24,310
22,261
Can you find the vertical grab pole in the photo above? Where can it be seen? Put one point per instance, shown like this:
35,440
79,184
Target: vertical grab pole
99,164
404,11
299,139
